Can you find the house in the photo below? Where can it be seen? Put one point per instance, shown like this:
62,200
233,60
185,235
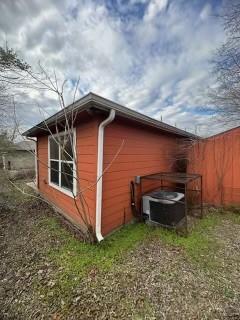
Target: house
19,159
216,158
112,145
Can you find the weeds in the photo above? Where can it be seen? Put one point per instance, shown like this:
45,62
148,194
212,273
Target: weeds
75,258
137,272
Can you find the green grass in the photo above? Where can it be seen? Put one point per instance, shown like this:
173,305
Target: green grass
198,242
79,256
75,258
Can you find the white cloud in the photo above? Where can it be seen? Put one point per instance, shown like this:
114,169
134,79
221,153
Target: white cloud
206,11
154,7
155,61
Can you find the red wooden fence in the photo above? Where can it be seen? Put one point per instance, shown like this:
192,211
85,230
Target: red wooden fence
217,158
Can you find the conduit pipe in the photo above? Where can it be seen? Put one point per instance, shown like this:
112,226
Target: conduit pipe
101,127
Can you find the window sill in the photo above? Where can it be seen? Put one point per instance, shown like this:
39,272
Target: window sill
65,191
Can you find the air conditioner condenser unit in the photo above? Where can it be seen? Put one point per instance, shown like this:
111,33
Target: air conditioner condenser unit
164,207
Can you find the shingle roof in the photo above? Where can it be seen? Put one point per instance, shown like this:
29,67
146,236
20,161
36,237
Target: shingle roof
92,100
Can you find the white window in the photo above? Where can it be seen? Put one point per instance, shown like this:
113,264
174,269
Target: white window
61,166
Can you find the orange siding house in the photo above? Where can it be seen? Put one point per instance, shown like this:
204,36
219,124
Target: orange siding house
144,151
217,159
113,144
86,149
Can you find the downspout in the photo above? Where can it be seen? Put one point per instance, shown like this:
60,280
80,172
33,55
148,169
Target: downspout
101,127
36,164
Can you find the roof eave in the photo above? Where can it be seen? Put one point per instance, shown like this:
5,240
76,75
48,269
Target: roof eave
131,114
103,104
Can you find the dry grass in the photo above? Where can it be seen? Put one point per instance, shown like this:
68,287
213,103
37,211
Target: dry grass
138,273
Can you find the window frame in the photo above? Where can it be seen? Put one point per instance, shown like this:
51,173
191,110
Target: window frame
58,187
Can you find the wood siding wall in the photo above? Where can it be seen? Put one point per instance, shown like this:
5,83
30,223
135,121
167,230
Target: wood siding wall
218,160
144,151
86,149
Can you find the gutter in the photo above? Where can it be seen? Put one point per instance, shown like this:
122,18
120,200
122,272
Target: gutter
101,127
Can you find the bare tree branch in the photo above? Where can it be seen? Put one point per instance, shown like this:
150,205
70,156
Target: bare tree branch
225,96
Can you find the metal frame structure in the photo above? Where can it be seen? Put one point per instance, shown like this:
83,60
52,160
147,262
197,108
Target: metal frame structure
179,178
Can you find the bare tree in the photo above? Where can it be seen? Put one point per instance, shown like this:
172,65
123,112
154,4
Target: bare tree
13,72
61,134
225,96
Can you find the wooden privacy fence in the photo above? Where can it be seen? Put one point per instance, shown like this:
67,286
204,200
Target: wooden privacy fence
217,159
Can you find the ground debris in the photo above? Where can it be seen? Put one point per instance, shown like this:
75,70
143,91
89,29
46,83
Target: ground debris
155,280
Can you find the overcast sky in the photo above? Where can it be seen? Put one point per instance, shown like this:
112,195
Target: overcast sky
150,55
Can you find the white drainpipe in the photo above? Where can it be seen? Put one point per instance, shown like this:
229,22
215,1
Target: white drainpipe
36,165
101,127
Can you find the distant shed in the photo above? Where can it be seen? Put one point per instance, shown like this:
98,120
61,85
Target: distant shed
19,156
